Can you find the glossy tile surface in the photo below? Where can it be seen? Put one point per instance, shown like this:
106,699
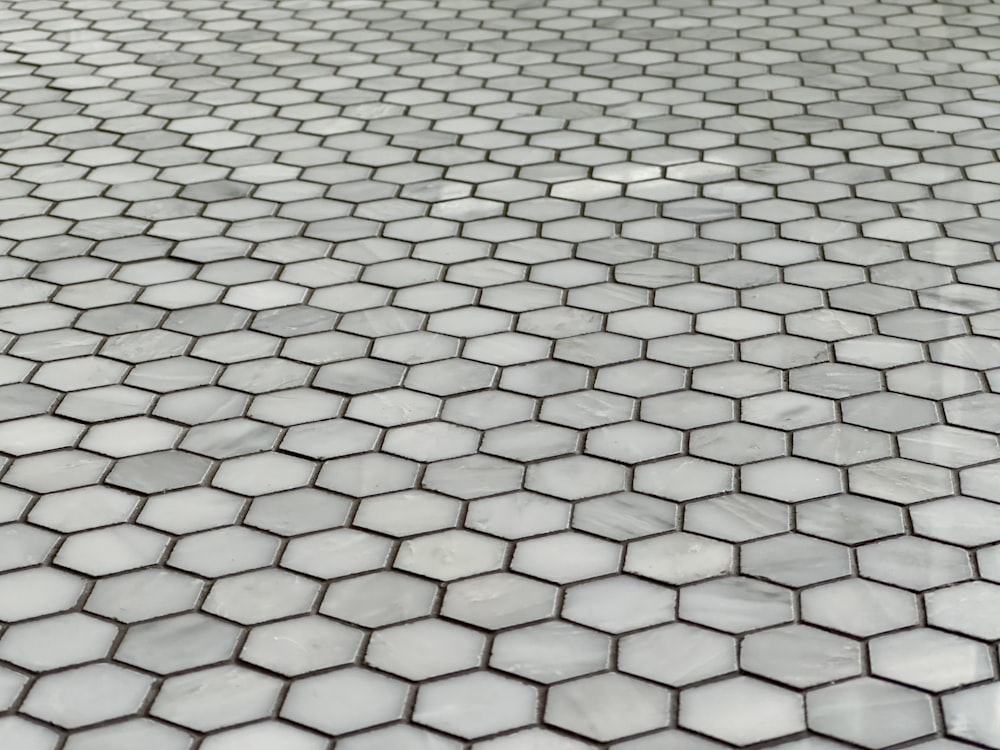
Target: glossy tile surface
509,375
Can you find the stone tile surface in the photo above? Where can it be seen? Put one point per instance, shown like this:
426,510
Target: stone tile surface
466,375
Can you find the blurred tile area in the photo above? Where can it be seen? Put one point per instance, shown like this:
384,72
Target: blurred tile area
509,375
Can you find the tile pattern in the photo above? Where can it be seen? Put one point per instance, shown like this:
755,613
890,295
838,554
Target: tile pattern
500,376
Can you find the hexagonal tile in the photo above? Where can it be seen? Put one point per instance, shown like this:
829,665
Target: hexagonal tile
608,706
475,705
854,711
755,711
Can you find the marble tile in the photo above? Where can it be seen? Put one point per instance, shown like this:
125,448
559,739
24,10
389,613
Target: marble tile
854,711
755,710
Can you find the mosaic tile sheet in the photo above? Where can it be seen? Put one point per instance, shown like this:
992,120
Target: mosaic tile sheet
512,375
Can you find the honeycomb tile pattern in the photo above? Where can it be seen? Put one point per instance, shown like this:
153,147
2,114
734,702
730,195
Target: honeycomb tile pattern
510,375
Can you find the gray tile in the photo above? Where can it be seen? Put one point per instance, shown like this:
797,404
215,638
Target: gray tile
967,714
301,645
424,649
151,733
27,734
800,656
137,596
901,480
929,659
533,738
678,654
56,642
755,710
398,735
735,604
518,515
178,643
638,604
736,517
679,557
449,555
379,599
967,608
260,596
853,711
608,706
624,516
100,692
859,607
266,732
795,560
499,600
550,652
228,695
475,705
849,519
961,521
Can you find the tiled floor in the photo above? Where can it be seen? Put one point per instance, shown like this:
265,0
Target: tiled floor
513,375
